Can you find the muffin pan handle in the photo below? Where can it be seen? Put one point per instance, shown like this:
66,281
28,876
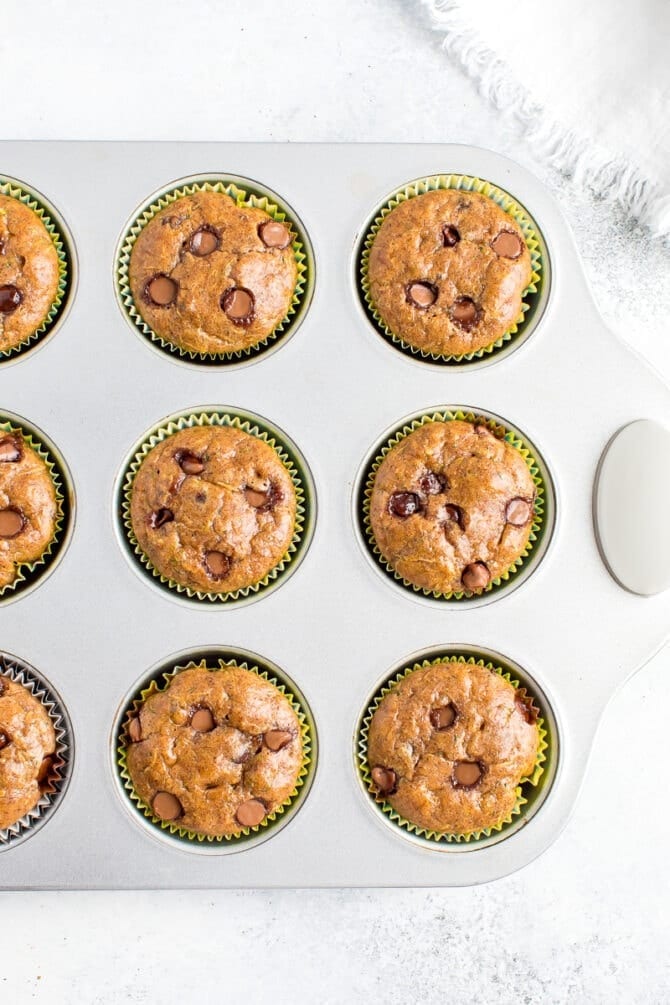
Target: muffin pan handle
630,507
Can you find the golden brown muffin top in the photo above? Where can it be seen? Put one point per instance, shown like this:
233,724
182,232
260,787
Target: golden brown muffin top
27,745
452,506
213,508
28,507
449,744
216,751
447,271
210,276
28,272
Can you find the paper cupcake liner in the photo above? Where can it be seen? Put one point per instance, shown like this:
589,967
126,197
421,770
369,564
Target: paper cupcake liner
531,297
290,458
28,573
59,776
444,837
244,194
538,526
272,820
45,213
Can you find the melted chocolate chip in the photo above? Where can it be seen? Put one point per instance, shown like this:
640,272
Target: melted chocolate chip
160,290
444,717
454,514
202,720
507,244
166,806
251,813
464,313
238,304
432,484
274,234
189,462
467,774
518,511
4,739
262,499
10,298
160,517
217,564
204,241
12,522
476,576
277,739
404,504
525,706
134,729
46,768
421,294
450,235
10,450
385,779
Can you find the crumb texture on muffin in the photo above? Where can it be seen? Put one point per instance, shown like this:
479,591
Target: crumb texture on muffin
210,276
28,272
449,745
447,271
452,507
27,747
213,508
28,506
216,752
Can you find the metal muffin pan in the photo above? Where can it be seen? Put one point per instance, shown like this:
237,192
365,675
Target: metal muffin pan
94,628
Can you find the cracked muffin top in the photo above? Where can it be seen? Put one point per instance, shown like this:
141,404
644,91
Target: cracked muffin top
449,744
216,751
28,272
27,746
213,508
448,270
28,506
452,506
210,276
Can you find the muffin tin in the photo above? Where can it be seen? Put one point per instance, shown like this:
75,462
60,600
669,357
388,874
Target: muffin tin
569,632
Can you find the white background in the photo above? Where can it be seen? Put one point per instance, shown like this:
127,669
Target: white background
588,922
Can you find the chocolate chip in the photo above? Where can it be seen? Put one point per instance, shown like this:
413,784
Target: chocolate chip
12,522
10,298
274,234
160,290
421,294
204,241
160,517
189,462
166,806
262,499
202,720
464,313
475,576
238,304
432,484
443,718
404,504
4,739
454,514
385,779
518,511
450,235
507,244
134,729
200,497
467,774
217,564
10,450
251,813
46,768
277,739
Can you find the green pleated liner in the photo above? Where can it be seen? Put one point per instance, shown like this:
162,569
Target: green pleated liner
444,837
272,820
532,295
13,188
59,775
538,528
243,192
304,515
28,573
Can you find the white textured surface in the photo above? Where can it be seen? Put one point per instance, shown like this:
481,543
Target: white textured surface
588,921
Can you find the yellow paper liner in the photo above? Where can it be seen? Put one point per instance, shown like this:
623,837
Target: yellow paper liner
243,196
437,837
172,827
531,295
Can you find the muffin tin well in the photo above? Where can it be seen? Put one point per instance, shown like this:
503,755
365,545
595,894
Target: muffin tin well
562,626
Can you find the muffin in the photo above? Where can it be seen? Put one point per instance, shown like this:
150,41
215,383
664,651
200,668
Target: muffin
29,273
213,508
28,506
210,276
452,507
447,271
449,745
216,752
27,748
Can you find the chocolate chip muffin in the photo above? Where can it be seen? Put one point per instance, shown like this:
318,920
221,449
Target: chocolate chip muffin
452,507
447,271
28,272
27,747
213,508
210,276
28,506
216,752
449,745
